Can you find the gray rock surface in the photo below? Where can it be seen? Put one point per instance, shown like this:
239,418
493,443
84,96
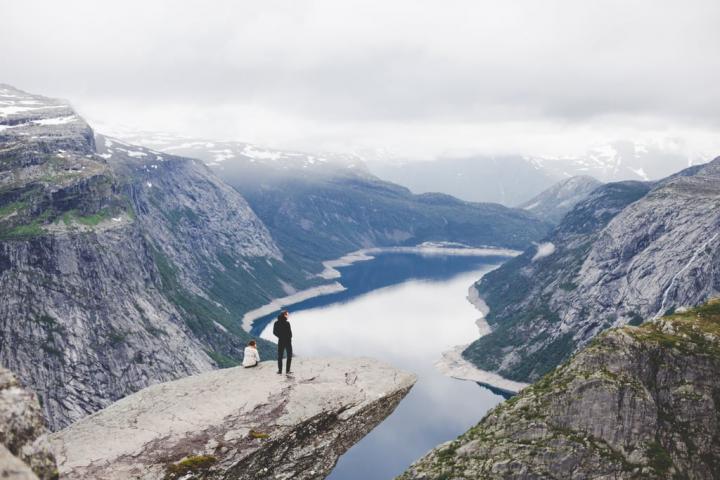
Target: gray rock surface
630,251
638,402
120,267
552,204
236,423
24,450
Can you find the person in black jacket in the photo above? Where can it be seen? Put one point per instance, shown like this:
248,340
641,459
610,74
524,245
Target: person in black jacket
283,332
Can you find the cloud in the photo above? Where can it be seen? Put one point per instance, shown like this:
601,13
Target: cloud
352,73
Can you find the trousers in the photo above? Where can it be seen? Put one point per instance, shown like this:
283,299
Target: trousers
284,346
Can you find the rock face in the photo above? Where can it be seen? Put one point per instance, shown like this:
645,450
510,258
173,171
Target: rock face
120,267
236,423
24,450
322,207
629,252
638,402
552,204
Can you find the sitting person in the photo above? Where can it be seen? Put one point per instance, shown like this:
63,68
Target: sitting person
251,357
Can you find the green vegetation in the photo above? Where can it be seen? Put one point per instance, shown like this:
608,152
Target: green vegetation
195,465
177,215
10,208
658,458
22,231
201,316
72,216
222,360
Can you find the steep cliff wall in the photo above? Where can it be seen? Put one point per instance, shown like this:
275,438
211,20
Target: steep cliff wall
629,252
638,402
119,267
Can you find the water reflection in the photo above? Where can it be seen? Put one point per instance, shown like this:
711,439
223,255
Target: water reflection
408,325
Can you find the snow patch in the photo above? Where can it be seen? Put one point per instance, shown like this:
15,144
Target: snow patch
56,121
544,250
640,173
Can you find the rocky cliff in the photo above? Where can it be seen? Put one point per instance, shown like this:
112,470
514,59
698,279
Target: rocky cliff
120,267
322,207
24,450
554,203
638,402
236,423
629,252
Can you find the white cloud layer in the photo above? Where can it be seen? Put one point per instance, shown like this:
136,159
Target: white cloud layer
420,78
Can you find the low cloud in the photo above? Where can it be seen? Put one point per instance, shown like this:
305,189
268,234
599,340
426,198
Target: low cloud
410,75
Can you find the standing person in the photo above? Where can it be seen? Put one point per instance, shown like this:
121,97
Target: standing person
283,332
251,356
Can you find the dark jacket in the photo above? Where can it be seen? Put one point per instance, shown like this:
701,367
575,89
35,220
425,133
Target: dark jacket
282,330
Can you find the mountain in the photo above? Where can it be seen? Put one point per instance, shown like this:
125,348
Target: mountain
509,180
291,428
552,204
120,267
638,402
630,251
515,179
320,207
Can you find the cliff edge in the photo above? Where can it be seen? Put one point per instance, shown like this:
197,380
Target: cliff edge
235,423
638,402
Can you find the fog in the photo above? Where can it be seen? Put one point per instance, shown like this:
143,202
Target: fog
412,79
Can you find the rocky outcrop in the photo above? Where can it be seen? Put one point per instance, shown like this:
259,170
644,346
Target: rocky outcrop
629,252
24,450
639,402
120,267
552,204
236,423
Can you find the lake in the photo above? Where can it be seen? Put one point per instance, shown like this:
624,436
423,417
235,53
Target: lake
406,309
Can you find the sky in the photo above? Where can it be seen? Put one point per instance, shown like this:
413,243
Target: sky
405,78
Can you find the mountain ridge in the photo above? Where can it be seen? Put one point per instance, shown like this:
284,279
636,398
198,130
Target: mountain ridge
629,251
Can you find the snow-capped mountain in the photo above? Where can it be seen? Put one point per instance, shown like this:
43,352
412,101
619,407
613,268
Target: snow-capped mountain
515,179
217,154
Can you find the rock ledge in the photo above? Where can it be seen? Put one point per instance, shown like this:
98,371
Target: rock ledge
235,423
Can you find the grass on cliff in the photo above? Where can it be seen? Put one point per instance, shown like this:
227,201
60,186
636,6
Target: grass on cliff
696,330
194,466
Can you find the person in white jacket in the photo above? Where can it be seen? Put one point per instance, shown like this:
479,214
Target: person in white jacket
251,357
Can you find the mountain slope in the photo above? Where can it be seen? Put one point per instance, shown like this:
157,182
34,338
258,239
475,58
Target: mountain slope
552,204
120,267
509,180
638,402
514,179
629,251
320,207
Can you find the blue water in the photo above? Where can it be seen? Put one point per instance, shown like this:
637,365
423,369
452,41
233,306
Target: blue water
406,309
388,269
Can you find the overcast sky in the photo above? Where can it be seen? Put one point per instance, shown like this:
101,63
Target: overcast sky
415,78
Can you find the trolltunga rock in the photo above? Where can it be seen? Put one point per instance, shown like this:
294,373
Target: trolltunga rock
235,423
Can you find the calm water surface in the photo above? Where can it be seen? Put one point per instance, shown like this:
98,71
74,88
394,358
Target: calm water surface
406,309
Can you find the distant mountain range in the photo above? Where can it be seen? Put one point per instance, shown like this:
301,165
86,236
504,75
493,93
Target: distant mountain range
555,202
629,251
323,206
514,179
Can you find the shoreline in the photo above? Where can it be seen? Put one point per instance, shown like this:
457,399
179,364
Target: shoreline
330,272
427,248
452,363
282,302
